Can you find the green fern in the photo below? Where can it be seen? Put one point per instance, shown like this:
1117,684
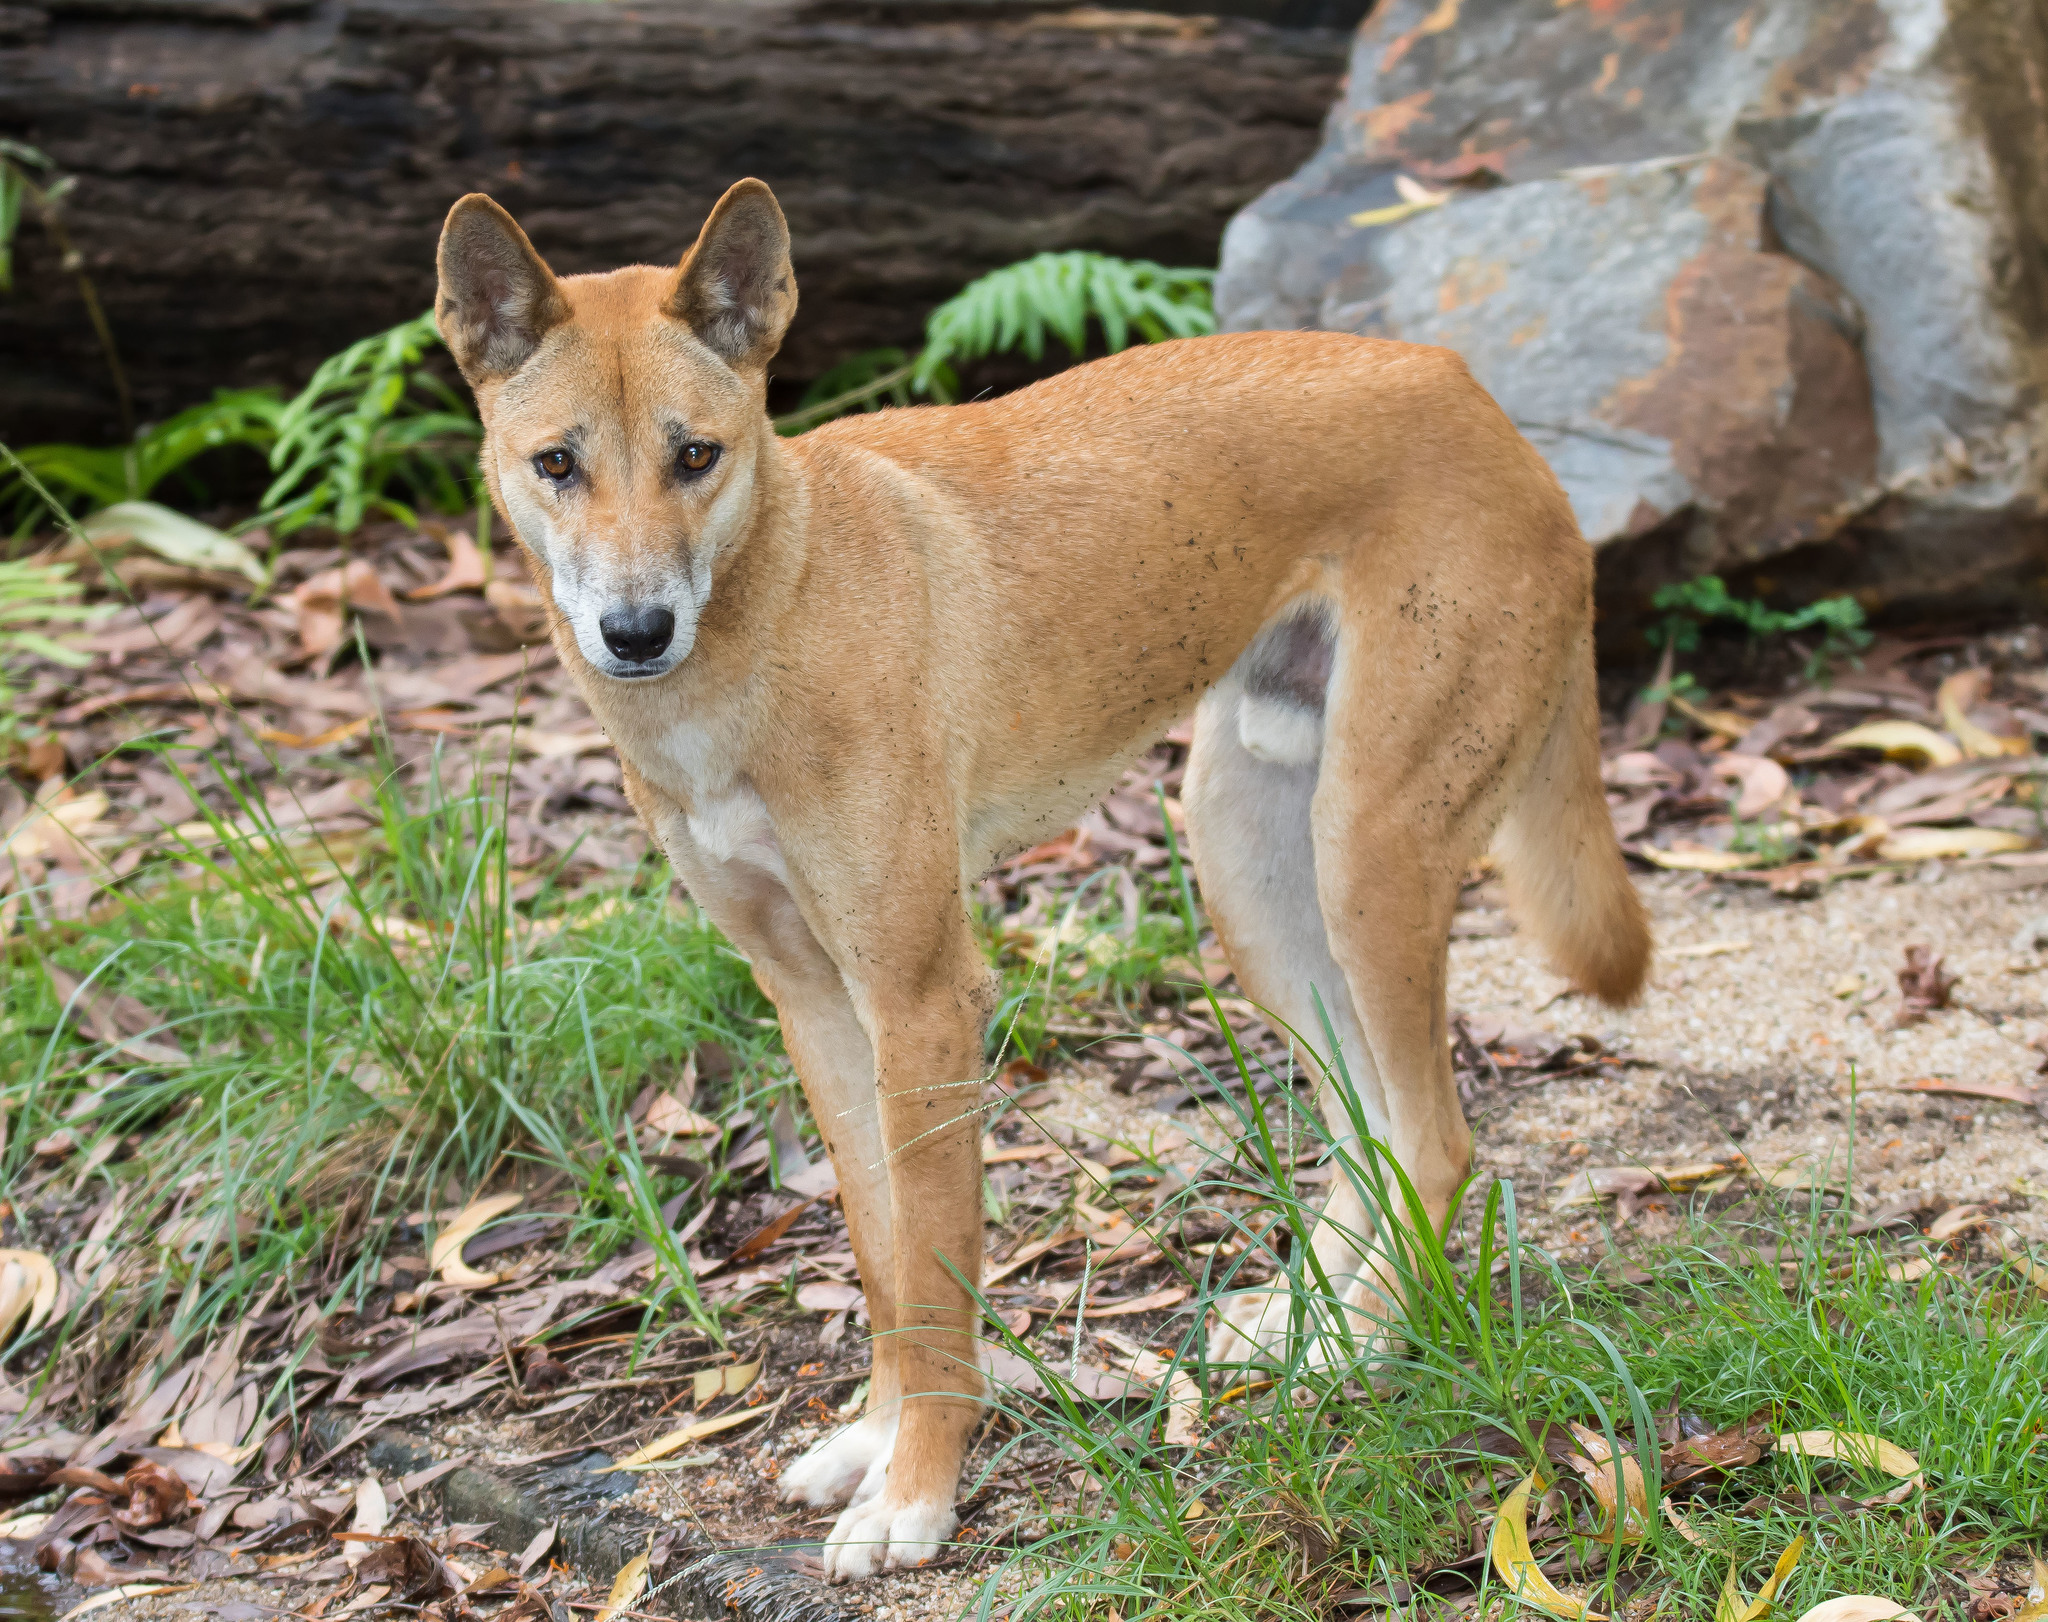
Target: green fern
34,598
85,478
1015,308
372,419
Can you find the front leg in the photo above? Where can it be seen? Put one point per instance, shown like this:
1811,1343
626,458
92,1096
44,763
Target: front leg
835,1062
925,1011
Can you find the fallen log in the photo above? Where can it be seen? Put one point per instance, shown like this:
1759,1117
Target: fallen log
261,181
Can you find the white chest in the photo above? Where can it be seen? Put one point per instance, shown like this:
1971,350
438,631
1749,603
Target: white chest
735,827
728,820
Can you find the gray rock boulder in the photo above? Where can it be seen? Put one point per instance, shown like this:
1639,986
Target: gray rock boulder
1756,275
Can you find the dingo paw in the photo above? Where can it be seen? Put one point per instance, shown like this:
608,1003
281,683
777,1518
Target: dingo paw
881,1534
847,1467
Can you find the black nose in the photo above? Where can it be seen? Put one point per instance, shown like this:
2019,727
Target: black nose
637,634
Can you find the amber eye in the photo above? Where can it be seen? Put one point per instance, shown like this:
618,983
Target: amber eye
697,457
556,464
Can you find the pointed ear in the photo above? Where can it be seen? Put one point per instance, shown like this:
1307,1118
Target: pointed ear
735,288
497,299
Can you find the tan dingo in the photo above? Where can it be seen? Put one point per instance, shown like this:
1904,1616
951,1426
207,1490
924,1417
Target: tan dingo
846,673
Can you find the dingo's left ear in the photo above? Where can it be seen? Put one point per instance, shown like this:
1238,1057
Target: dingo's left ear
735,288
497,299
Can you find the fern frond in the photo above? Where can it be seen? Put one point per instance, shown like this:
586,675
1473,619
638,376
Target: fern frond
1016,307
372,418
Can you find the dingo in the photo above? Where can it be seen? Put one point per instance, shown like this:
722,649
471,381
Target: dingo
846,673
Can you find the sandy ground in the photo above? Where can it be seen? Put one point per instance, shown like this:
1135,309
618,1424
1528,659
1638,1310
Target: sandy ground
1756,1046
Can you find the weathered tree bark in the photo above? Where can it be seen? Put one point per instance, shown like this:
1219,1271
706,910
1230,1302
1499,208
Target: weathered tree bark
262,181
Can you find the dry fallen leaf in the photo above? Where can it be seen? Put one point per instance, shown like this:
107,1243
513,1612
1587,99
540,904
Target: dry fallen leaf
1959,1219
1954,698
446,1256
1924,986
1929,844
1760,782
672,1118
322,603
1183,1410
1515,1562
1905,741
2009,1092
663,1446
1686,1529
626,1588
1859,1608
520,610
1732,1606
543,1540
466,571
829,1297
1851,1447
52,828
28,1288
156,1495
1598,1468
2036,1607
373,1514
114,1596
1696,858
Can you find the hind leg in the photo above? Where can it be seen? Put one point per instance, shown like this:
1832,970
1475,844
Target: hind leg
1417,769
1250,786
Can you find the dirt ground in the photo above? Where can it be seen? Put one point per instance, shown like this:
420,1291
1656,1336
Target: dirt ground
1761,1011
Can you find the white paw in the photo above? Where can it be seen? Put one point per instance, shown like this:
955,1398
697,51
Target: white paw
1252,1328
1260,1326
848,1466
883,1535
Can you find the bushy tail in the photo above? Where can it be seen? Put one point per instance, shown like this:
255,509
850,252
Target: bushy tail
1565,874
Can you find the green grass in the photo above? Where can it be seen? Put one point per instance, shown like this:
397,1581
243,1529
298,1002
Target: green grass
1347,1478
377,1020
369,1019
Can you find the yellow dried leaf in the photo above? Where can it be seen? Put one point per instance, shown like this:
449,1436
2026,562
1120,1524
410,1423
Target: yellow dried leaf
626,1588
2036,1608
663,1446
1906,741
1733,1608
672,1118
1686,1529
1515,1563
1183,1410
446,1256
1696,859
736,1377
1953,699
28,1286
1907,1272
1598,1469
1859,1608
48,828
1851,1447
1394,212
1928,844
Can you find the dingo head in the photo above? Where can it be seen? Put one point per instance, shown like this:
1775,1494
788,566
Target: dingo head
623,414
